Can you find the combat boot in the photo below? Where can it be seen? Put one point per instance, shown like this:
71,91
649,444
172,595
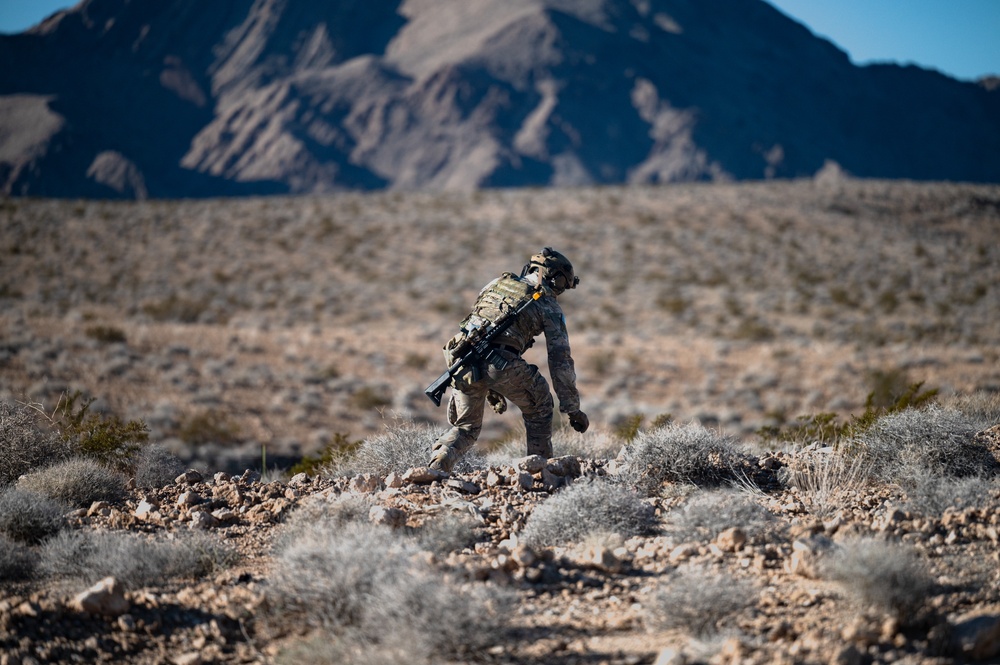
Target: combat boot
444,459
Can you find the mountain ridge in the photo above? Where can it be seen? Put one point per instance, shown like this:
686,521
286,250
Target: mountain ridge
118,99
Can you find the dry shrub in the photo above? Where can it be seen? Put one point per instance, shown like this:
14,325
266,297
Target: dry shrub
679,454
880,574
365,583
78,481
24,446
932,495
451,532
30,517
902,446
17,562
586,507
707,514
401,446
156,467
982,407
699,602
134,559
338,511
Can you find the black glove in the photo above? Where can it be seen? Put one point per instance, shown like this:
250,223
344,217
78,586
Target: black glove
497,401
579,421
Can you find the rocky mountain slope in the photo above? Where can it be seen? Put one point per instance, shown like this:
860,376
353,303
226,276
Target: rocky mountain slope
164,99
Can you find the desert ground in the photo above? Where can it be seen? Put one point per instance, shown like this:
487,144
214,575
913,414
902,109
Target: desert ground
248,333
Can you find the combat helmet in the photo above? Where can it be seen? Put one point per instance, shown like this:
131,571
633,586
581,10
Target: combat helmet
554,269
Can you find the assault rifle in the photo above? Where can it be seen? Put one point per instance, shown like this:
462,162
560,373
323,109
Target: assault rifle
475,349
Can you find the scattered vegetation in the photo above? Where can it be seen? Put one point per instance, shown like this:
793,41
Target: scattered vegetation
902,446
133,559
17,562
363,583
827,427
443,534
699,602
78,481
706,514
401,446
24,445
155,466
679,454
828,479
29,517
879,574
587,506
105,438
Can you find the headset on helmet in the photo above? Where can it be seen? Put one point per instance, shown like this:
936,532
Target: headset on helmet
554,269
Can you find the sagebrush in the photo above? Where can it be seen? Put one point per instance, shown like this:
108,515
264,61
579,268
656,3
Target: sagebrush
25,445
587,506
78,481
699,601
136,560
884,575
29,517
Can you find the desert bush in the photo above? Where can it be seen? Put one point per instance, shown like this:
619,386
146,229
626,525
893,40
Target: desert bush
876,573
587,506
210,426
403,445
982,407
78,481
337,511
706,514
443,534
17,562
902,446
107,439
365,583
887,397
680,454
826,478
930,494
24,445
155,466
30,517
699,602
136,560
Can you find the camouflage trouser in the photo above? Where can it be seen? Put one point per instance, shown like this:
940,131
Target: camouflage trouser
520,383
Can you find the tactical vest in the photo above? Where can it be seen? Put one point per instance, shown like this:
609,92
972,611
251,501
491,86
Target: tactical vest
500,296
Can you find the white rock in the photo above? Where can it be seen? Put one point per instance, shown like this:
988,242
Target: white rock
107,597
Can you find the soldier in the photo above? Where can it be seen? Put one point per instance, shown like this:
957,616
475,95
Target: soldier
506,374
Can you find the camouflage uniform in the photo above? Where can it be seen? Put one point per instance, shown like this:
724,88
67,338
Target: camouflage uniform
507,373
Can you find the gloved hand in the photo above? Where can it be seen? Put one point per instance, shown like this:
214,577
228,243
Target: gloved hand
497,401
579,421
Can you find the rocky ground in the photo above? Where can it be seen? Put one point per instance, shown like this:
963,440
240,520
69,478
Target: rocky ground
589,602
272,327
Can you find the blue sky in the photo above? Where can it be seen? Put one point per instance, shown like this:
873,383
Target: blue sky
960,38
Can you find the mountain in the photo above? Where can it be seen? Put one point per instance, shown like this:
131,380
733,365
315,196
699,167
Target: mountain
185,98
